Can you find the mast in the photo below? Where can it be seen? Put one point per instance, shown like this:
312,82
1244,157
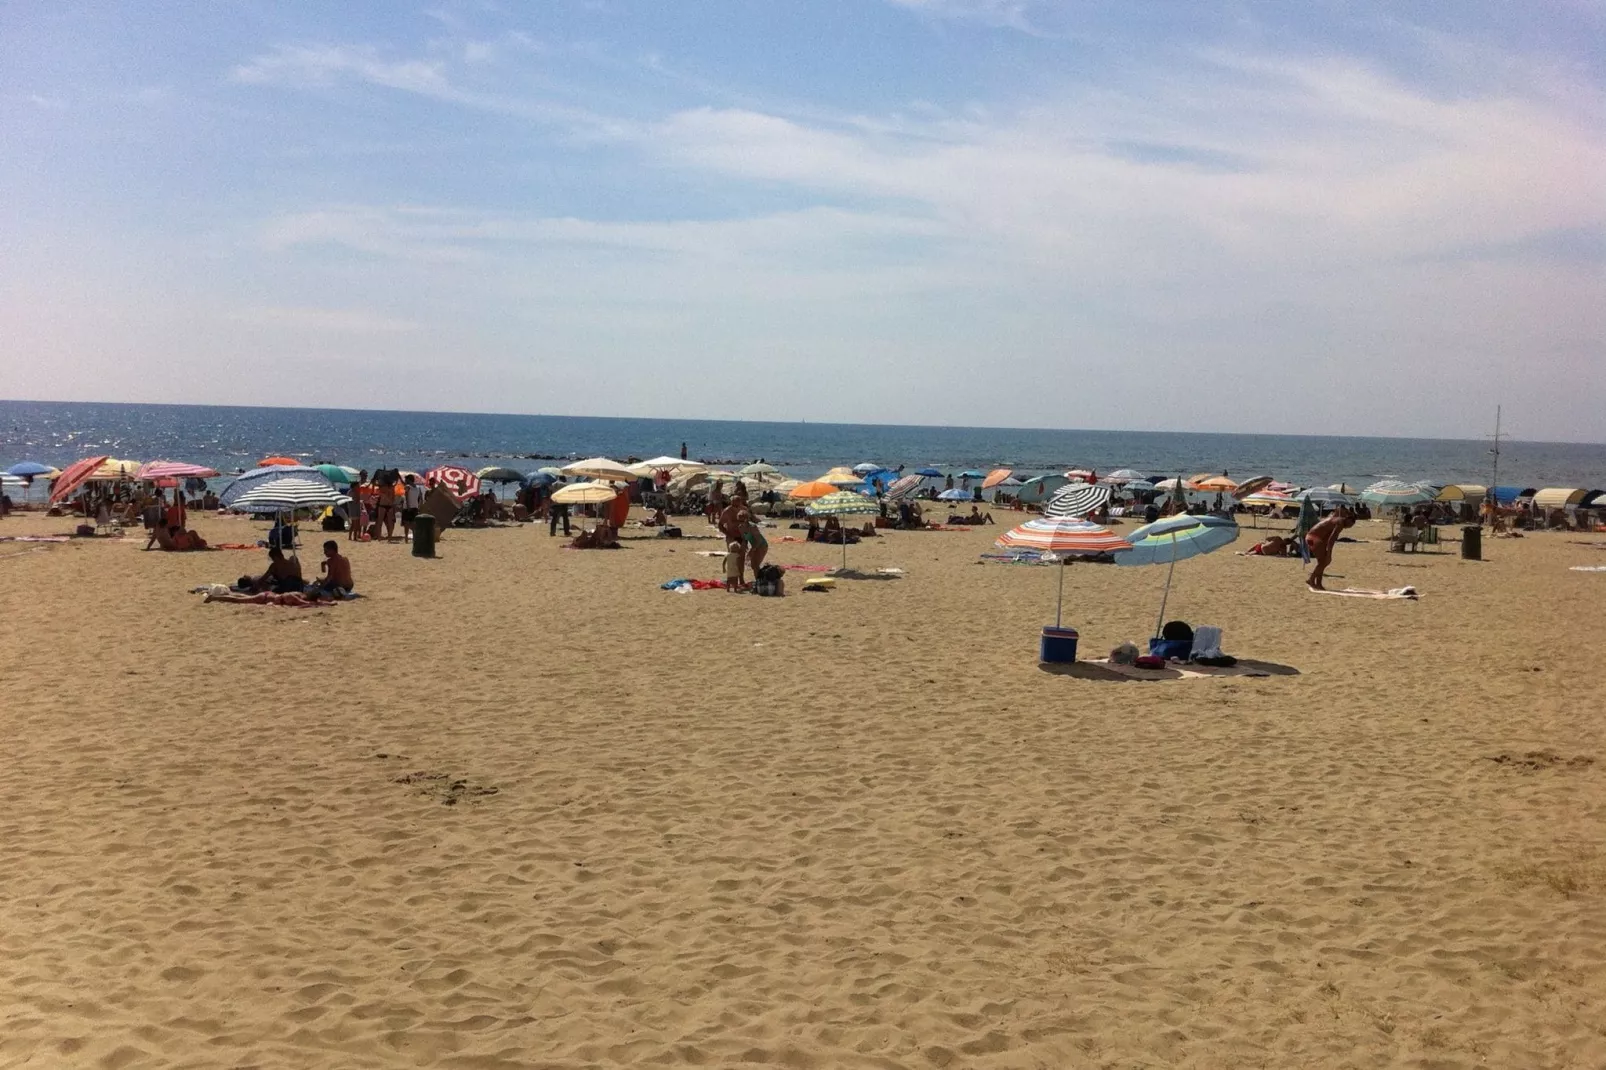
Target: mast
1494,477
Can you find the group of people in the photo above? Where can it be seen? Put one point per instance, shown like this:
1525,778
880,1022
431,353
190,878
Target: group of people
378,502
284,578
745,544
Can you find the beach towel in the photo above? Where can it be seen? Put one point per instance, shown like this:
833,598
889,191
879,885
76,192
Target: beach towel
1358,592
685,585
1589,568
35,538
1174,671
1207,641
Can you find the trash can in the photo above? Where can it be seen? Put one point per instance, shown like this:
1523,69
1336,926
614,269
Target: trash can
423,535
1058,645
1472,543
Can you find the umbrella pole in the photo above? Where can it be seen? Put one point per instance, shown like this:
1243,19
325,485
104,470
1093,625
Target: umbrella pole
1059,602
1159,624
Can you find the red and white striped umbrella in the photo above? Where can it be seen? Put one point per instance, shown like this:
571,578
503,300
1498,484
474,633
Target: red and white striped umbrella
74,476
1066,536
154,470
460,483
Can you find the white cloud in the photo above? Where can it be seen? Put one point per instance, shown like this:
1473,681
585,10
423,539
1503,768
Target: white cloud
345,321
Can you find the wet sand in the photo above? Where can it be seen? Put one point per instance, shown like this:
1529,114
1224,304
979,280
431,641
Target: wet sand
518,807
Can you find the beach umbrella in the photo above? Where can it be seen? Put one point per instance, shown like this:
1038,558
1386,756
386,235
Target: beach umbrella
671,463
1138,486
1168,484
1250,486
1066,537
74,476
1038,488
1076,499
153,470
1208,483
815,489
759,468
287,494
555,473
24,469
786,486
904,485
841,477
844,503
460,483
600,468
1079,475
496,474
1176,538
540,479
1343,488
112,470
970,473
866,468
995,477
338,474
1269,498
1393,492
584,494
247,480
929,472
955,495
1325,497
280,462
1123,475
1463,492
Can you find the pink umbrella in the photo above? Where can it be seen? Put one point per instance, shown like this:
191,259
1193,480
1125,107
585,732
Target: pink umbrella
154,470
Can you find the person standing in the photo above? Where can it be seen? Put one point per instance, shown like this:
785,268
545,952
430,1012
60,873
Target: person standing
1321,539
412,502
555,512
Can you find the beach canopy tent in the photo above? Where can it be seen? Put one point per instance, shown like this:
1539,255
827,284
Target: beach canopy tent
1595,499
1076,499
1559,497
1173,539
1037,488
600,468
1065,537
1511,495
246,480
1462,492
843,503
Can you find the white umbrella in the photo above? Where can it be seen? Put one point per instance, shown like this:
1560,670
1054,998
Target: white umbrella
291,492
600,468
584,494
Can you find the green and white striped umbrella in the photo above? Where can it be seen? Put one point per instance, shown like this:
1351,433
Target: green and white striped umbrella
1392,492
843,503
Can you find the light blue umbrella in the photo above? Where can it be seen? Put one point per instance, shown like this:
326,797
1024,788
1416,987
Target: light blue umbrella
29,468
1324,497
1392,492
955,495
246,481
930,471
1176,538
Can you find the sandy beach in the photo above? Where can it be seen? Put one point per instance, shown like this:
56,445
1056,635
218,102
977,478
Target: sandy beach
519,807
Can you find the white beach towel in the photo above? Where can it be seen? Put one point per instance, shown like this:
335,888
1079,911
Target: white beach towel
1207,641
1409,593
1589,568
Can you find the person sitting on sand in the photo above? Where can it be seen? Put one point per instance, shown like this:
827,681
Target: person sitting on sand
336,578
283,574
978,517
1320,541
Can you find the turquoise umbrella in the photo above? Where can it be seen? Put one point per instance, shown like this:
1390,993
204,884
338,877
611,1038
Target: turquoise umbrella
1176,538
337,474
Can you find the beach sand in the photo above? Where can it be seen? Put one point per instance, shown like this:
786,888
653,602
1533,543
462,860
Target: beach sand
518,807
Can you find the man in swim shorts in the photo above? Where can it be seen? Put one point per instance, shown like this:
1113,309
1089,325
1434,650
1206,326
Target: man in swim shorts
1320,541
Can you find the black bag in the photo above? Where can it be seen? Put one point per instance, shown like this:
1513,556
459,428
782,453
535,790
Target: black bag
1176,629
768,580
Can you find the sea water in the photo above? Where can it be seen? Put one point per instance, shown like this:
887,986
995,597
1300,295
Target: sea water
231,439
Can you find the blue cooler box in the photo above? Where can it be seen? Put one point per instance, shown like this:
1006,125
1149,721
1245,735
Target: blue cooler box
1171,649
1059,645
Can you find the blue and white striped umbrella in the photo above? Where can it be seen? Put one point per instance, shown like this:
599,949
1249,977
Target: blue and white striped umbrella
289,493
1393,492
257,476
1076,499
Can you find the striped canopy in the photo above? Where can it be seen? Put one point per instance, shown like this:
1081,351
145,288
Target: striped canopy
154,470
843,503
74,476
904,485
1076,499
248,480
1066,536
1394,492
287,493
460,483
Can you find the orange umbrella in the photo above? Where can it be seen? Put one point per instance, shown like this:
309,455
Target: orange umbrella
995,477
270,462
815,489
75,475
1221,483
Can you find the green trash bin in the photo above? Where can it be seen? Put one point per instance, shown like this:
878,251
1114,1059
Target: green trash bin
423,535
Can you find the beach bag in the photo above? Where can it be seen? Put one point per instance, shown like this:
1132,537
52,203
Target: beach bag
768,581
669,533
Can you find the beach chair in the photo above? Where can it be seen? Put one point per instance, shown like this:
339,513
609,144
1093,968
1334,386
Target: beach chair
1404,536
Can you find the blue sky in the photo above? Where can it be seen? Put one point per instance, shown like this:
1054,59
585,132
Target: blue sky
1317,217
